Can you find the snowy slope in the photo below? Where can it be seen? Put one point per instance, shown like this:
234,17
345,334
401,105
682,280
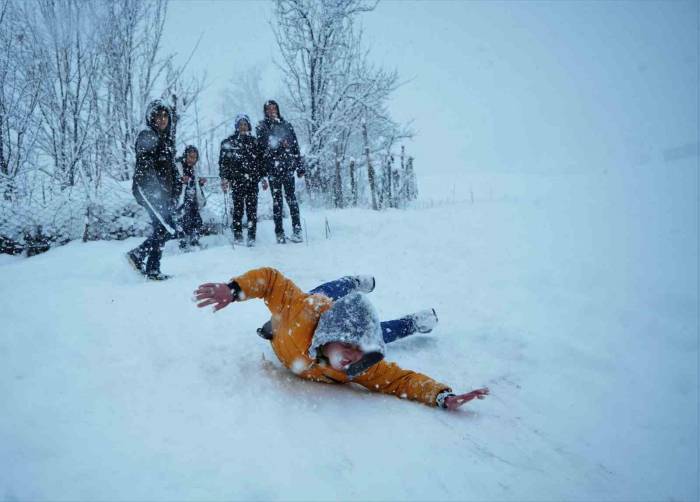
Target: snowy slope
574,298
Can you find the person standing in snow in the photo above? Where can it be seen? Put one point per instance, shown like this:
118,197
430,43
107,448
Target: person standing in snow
333,334
241,169
281,157
154,188
191,197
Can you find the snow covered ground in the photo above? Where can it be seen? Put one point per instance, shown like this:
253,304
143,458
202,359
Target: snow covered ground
574,298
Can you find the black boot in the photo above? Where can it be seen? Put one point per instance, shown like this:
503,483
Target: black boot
135,258
157,276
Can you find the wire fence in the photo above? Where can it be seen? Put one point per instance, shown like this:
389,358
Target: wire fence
33,221
37,213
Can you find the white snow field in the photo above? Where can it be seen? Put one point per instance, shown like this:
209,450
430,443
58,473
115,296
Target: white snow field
573,297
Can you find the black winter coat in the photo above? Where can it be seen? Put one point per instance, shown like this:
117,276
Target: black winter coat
155,176
240,160
278,143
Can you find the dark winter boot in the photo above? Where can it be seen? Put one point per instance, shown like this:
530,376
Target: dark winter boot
135,259
238,238
281,239
157,276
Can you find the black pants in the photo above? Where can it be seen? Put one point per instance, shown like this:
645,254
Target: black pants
245,199
286,182
151,249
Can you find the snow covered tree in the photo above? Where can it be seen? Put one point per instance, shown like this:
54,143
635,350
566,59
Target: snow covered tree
20,89
75,78
331,85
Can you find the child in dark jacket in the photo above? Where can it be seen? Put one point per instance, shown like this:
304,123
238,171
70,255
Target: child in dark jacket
190,198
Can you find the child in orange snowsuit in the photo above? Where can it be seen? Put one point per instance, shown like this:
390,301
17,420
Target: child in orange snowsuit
330,341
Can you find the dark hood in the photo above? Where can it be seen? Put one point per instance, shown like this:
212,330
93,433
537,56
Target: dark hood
153,107
243,117
272,102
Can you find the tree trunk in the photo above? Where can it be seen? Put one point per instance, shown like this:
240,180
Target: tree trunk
353,183
389,181
3,162
370,169
338,182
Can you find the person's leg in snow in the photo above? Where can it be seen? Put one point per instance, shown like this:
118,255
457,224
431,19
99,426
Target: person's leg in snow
146,257
251,204
238,192
276,192
345,285
290,196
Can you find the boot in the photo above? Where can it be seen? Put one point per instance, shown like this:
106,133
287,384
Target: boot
365,283
425,320
296,234
157,276
135,259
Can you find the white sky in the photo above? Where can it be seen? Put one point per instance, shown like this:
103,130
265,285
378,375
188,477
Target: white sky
526,86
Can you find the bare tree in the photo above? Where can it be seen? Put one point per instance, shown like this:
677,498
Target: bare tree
134,68
331,84
20,87
245,94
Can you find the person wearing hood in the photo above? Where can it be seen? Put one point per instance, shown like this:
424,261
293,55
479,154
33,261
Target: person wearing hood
191,197
337,338
154,187
281,157
241,169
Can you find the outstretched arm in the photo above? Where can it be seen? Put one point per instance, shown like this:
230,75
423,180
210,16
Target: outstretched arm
451,401
389,378
269,284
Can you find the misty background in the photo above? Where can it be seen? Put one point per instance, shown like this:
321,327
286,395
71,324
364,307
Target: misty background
550,87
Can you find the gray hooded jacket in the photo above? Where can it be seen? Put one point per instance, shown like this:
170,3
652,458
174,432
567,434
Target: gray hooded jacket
353,320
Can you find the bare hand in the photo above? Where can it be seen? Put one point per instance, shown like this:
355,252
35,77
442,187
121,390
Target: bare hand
264,184
202,181
185,179
213,293
224,185
454,402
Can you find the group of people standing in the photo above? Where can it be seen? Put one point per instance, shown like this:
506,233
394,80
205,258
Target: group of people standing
171,192
271,157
